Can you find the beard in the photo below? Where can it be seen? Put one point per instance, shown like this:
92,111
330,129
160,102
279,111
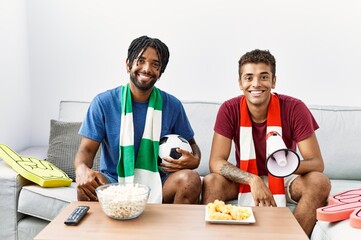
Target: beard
140,85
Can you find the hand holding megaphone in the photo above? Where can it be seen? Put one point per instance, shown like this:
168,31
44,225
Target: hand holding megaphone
281,161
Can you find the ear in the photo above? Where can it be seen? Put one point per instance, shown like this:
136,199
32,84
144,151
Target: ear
240,83
127,66
274,82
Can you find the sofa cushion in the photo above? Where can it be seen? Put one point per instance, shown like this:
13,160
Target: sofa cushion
338,137
73,111
45,203
335,231
29,227
64,142
202,116
11,183
338,186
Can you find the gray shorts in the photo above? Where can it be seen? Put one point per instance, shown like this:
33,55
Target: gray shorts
288,181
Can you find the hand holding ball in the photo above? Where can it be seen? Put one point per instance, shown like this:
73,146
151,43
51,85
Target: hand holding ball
168,145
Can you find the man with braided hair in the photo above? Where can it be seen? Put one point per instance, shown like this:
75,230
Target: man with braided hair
247,119
127,122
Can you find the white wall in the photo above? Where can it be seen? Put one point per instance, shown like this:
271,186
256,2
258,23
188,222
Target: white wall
15,105
78,48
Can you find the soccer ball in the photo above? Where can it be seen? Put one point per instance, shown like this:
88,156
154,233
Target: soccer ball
169,143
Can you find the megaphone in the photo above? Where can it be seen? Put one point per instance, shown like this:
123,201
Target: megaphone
281,161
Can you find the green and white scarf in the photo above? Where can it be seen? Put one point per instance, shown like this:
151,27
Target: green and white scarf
145,169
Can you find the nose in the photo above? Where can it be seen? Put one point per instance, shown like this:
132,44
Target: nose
146,67
256,82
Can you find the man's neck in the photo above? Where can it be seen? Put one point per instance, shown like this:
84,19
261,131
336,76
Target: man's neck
139,95
258,114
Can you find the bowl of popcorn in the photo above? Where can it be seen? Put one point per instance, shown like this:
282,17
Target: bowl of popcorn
123,201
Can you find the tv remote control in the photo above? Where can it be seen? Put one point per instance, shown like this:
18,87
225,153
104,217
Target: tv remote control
76,216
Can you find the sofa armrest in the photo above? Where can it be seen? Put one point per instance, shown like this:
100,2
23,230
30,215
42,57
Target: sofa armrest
11,183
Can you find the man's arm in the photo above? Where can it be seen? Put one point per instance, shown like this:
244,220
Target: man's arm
311,154
221,147
86,153
218,162
87,179
196,152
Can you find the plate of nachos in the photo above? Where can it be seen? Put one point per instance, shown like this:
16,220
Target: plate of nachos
219,212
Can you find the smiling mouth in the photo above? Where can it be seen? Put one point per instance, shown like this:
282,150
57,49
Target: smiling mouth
144,77
256,92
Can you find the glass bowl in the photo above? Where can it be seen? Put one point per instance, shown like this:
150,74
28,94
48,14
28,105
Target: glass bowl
123,201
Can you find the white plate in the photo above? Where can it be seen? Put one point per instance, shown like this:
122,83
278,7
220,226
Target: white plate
249,220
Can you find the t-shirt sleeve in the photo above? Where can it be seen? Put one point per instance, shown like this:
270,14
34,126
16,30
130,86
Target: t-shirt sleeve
174,117
182,125
93,124
227,119
304,124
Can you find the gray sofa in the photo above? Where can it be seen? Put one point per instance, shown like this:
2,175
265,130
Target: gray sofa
27,208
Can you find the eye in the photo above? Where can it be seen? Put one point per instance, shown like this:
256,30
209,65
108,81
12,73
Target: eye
156,65
265,77
248,78
140,61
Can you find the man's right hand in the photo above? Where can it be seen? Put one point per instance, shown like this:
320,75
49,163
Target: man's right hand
262,196
87,181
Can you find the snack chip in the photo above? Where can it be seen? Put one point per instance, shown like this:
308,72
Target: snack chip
218,210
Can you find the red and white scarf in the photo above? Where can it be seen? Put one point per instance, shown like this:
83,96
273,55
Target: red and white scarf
248,160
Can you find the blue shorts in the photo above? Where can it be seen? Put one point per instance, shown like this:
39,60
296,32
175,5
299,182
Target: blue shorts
163,177
110,178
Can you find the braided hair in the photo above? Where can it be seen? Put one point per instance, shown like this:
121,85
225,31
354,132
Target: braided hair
139,45
258,56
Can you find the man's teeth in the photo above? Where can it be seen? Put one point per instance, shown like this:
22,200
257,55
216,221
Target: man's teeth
143,76
256,92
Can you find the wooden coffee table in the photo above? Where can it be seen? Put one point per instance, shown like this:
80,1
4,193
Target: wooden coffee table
173,221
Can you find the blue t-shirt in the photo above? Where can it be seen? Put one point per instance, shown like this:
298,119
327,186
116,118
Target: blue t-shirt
102,124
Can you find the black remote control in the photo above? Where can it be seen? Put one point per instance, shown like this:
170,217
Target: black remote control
76,216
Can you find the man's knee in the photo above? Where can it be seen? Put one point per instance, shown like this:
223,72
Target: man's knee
212,179
314,184
318,182
215,186
323,184
188,176
187,181
182,187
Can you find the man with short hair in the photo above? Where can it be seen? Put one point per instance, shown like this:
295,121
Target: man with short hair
247,120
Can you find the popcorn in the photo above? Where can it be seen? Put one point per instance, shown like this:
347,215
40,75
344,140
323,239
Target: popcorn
123,201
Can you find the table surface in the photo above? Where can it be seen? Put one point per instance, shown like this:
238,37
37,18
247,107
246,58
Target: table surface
173,221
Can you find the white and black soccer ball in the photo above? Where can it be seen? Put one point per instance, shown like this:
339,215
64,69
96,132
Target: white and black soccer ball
169,143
